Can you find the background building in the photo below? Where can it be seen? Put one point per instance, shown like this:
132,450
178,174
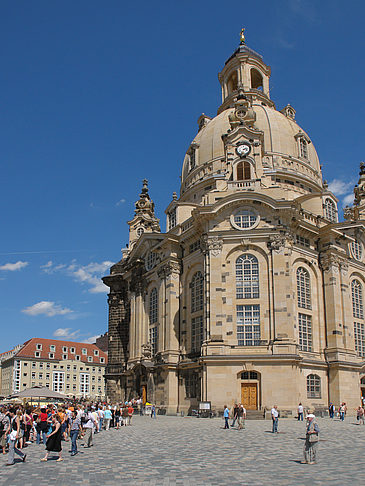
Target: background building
255,291
75,369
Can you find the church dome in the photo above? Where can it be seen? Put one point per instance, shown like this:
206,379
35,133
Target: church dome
281,135
278,146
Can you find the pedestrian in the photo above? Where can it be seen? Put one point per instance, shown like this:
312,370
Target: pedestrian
342,412
275,419
226,417
14,433
75,430
331,410
311,440
88,427
54,439
42,426
130,413
235,414
28,422
107,418
241,414
4,426
153,411
101,418
300,412
360,415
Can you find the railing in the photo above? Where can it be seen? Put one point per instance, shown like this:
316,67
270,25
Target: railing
245,185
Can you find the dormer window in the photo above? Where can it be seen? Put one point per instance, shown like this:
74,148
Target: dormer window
192,158
140,232
52,348
39,347
303,146
243,171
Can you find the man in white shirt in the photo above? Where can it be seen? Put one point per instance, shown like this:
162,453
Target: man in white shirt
300,412
88,428
275,419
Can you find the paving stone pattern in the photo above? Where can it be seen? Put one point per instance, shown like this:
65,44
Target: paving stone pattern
194,452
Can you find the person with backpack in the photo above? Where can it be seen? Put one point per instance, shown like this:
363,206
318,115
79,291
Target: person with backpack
88,423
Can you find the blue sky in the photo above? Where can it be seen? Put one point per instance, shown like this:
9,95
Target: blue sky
95,96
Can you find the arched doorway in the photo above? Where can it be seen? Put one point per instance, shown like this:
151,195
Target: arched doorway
250,389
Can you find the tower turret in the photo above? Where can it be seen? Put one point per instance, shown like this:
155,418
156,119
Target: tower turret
144,219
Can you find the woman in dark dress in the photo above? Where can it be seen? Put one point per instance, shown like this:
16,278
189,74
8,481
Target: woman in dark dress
53,443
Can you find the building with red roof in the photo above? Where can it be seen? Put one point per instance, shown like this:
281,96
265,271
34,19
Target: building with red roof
73,368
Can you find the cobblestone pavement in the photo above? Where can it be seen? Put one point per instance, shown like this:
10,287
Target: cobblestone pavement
194,452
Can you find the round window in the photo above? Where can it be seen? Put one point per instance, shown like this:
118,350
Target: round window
245,219
356,250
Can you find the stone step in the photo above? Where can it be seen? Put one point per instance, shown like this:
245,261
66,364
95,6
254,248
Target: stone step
255,415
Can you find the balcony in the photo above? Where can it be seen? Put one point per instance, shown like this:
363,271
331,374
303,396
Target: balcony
251,185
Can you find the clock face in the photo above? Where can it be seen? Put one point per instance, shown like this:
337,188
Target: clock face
243,149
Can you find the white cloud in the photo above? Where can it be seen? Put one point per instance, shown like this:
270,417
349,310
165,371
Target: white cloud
339,187
87,274
91,340
348,200
65,332
12,267
47,308
120,202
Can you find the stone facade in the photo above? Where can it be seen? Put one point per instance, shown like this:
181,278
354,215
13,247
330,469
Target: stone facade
254,293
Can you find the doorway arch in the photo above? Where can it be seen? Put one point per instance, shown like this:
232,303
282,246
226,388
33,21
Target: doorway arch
250,389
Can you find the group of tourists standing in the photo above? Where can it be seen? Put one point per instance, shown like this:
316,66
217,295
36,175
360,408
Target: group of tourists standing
51,425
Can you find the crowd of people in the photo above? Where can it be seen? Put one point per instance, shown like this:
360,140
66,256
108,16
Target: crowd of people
51,425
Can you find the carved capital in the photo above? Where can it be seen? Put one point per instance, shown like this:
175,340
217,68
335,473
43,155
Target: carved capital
333,263
169,268
280,242
211,244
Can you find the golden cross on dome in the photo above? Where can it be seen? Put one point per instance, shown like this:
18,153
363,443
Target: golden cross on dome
242,36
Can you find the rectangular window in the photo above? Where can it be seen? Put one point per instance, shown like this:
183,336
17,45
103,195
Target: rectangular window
90,359
171,219
40,376
34,365
39,347
68,367
64,356
102,360
96,352
72,350
74,377
52,348
197,333
194,246
41,366
51,355
192,385
248,325
75,368
303,241
84,351
359,333
84,383
74,387
77,357
68,377
48,376
305,332
33,375
37,354
64,349
58,381
48,366
153,338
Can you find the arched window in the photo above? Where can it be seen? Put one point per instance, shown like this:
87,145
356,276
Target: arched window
153,310
243,171
313,386
303,288
232,82
330,211
256,79
247,277
197,292
357,305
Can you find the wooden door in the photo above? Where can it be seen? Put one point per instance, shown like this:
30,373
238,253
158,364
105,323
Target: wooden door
249,395
144,394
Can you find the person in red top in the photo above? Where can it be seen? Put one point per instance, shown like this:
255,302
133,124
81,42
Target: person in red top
130,413
42,426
